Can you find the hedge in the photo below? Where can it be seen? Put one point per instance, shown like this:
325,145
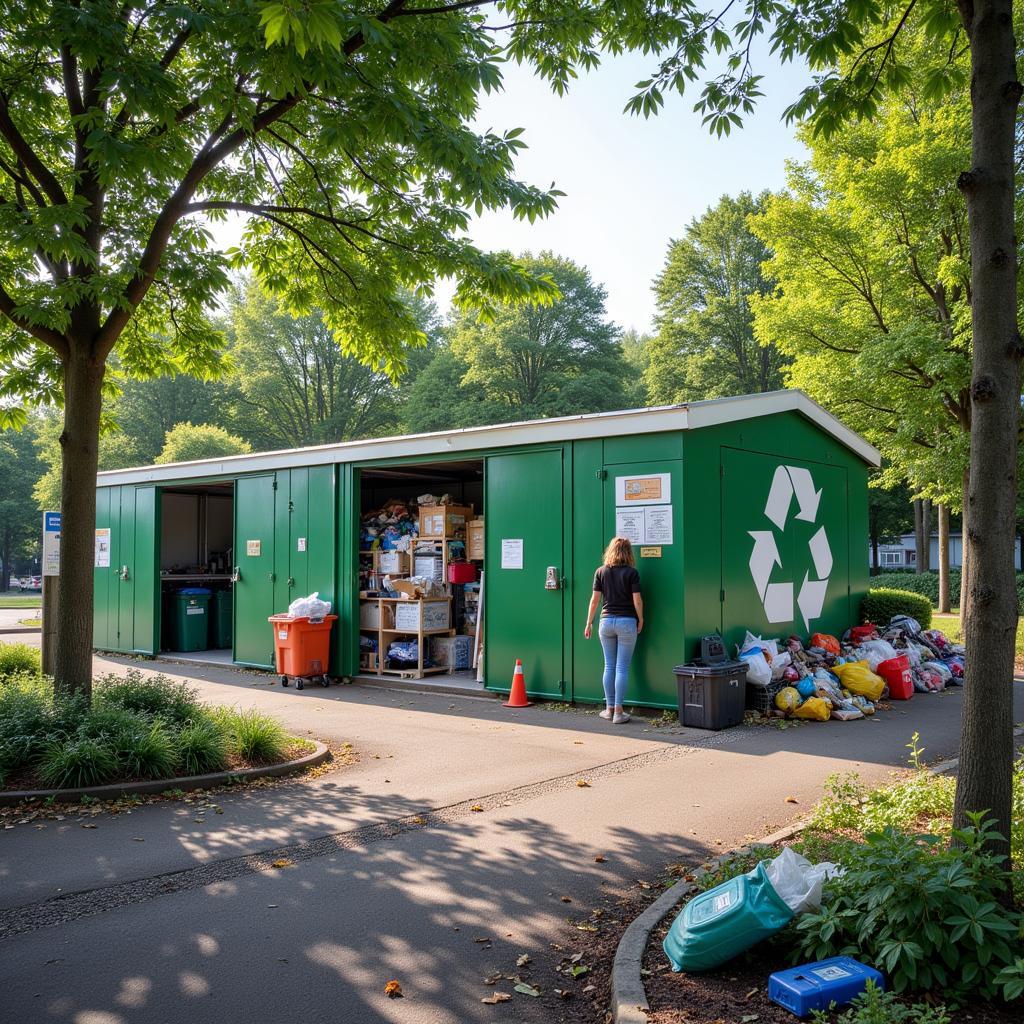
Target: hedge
927,583
882,603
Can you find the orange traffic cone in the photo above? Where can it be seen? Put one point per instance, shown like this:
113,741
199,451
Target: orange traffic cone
517,698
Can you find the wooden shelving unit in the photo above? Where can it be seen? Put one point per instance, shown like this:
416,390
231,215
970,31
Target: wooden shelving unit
383,633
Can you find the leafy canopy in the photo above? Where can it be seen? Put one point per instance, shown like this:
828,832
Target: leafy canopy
187,442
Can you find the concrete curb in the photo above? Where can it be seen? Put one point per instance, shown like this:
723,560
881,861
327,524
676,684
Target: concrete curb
5,630
628,996
191,782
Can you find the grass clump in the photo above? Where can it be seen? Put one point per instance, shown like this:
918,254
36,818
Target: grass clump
155,696
203,746
255,737
71,764
17,660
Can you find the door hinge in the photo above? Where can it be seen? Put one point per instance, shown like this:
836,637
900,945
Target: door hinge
291,506
272,576
721,596
274,485
602,474
721,469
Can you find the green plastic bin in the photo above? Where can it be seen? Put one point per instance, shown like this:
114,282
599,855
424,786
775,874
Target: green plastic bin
190,621
220,620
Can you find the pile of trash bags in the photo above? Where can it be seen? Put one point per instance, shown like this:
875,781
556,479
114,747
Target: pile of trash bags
393,527
828,678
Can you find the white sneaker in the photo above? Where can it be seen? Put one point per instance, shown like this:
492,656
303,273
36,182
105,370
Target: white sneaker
620,719
606,714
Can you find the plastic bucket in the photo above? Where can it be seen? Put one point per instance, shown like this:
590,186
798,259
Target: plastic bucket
461,572
896,673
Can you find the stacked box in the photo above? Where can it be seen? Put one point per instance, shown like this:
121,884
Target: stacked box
435,615
391,562
454,652
370,615
430,567
475,540
444,520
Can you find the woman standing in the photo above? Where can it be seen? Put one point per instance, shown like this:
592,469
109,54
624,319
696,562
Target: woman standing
617,584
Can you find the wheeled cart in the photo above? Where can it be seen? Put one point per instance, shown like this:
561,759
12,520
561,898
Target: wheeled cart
302,648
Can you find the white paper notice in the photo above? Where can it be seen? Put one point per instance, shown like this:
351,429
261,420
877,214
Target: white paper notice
102,559
512,553
658,524
629,523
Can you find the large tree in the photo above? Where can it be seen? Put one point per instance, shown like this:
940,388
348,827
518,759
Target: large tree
186,442
546,360
705,345
20,524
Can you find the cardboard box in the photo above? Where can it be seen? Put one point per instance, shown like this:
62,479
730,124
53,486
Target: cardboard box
370,613
430,566
407,588
444,520
475,540
454,652
368,661
435,615
390,562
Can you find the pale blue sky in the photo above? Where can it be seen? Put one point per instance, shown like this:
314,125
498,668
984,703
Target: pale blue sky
632,185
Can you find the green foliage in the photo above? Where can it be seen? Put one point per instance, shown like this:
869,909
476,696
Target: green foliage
202,747
146,752
187,442
255,737
75,763
24,715
926,915
875,1006
19,518
882,603
17,659
153,696
849,804
705,345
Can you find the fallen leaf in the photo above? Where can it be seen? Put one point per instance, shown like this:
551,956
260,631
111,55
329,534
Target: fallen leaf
583,784
419,820
643,884
493,979
282,862
523,960
476,807
751,994
483,938
586,926
495,998
393,990
599,859
565,899
578,970
792,800
575,958
138,839
88,825
563,993
527,990
748,1017
589,988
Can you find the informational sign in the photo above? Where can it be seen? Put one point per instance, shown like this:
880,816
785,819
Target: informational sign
646,552
301,544
253,548
629,523
102,555
512,553
51,543
654,489
658,524
648,524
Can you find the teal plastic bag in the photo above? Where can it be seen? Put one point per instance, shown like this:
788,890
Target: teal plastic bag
723,922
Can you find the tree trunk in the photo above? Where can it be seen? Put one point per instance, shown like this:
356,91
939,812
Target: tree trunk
926,535
874,552
944,559
918,535
5,558
990,618
83,380
963,547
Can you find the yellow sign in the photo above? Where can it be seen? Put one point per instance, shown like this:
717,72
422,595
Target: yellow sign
650,552
643,488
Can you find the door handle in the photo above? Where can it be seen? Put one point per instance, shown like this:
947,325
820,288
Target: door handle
123,573
291,581
236,574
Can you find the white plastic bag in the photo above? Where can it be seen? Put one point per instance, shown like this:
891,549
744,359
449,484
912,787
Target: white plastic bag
759,672
780,663
799,882
309,607
874,652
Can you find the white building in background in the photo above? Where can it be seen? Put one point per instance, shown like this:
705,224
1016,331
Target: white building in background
903,554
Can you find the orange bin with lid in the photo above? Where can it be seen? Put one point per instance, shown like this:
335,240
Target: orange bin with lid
302,646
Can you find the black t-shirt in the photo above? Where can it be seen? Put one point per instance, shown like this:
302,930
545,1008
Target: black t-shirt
617,584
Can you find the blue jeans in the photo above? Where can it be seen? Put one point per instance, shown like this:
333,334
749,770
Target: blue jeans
618,639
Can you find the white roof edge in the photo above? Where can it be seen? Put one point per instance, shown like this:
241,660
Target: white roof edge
691,416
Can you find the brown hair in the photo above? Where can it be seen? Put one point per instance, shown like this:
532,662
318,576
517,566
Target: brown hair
619,552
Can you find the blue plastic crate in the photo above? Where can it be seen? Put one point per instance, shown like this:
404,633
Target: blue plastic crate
816,986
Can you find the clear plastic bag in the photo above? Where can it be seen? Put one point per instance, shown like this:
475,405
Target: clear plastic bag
309,607
797,881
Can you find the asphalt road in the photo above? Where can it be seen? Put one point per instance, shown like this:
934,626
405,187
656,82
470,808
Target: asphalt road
174,913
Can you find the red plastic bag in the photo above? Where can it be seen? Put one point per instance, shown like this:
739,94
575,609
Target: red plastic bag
826,642
858,633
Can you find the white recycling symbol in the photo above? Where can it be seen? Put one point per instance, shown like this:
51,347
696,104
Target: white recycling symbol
777,598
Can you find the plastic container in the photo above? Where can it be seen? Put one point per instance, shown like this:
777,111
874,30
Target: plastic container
724,921
461,572
801,990
302,647
220,620
190,615
712,696
898,677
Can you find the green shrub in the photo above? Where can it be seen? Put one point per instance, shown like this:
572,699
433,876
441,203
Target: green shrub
926,914
18,659
25,713
873,1006
155,696
881,604
106,722
72,763
146,753
202,746
849,804
255,737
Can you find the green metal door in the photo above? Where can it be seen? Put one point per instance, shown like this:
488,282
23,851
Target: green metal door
523,506
785,557
122,565
254,570
105,595
643,500
146,581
